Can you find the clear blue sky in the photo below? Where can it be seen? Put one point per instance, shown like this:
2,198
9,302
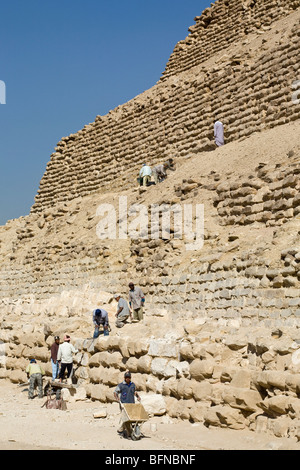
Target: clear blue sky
63,63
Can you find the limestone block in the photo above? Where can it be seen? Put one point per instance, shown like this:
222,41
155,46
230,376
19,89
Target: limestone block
241,379
100,413
185,388
95,374
132,364
96,359
278,404
82,373
158,366
137,347
186,351
123,347
111,376
276,379
281,426
182,368
144,364
114,360
224,416
171,368
170,387
198,411
201,369
153,384
201,390
162,348
40,354
179,409
109,393
102,343
154,404
243,399
96,392
18,376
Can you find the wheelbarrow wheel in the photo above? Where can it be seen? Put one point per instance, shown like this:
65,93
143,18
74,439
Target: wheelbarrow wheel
136,433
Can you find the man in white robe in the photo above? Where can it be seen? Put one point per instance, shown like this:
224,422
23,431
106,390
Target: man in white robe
219,133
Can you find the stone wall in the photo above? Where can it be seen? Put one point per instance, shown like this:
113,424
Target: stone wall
271,196
220,339
230,377
250,89
221,26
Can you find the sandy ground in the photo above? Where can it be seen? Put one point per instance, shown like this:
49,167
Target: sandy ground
24,425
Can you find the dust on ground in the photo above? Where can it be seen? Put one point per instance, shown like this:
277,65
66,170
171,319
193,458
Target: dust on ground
26,425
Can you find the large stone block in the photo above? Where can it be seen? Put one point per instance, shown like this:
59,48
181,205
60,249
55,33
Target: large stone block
200,370
224,416
154,404
163,348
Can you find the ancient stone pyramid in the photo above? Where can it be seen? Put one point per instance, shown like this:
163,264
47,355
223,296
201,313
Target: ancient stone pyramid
221,332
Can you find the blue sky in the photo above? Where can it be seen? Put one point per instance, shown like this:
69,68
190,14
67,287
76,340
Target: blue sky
63,63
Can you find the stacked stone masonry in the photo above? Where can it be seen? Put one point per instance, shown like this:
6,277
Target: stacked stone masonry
268,197
245,381
229,353
175,118
222,25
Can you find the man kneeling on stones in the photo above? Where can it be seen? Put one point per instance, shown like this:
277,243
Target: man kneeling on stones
123,312
100,317
35,372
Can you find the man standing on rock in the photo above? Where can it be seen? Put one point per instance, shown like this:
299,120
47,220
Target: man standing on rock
54,361
136,301
218,133
65,355
35,372
123,312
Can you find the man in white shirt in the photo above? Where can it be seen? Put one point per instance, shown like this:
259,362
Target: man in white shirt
145,175
218,133
65,357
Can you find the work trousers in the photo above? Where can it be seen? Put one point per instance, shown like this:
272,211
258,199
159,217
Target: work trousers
55,369
138,314
35,379
63,367
121,320
146,180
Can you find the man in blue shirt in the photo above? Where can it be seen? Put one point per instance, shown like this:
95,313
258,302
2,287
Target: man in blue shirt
100,317
125,392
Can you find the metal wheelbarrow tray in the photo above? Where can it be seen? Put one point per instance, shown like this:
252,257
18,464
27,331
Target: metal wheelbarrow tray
133,414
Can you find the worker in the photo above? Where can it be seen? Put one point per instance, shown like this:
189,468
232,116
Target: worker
65,356
218,133
136,301
35,373
145,175
123,312
54,361
169,164
159,173
100,317
125,392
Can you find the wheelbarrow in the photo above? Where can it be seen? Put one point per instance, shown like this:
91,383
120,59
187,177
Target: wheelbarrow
132,417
